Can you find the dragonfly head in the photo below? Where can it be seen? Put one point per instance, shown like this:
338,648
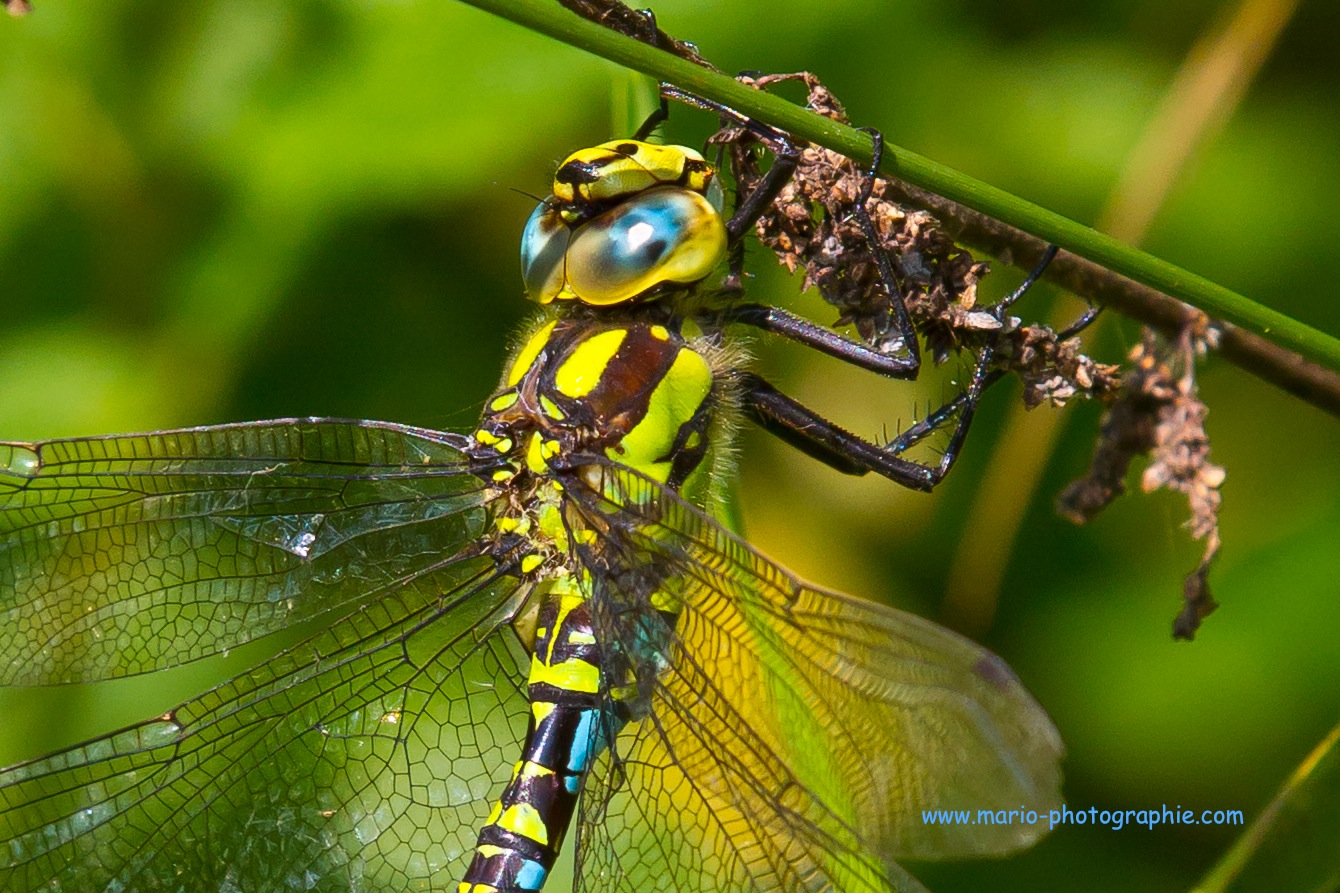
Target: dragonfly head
626,221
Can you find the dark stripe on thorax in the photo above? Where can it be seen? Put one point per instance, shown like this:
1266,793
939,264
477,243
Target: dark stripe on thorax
631,377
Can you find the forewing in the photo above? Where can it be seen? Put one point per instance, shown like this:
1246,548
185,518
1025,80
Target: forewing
796,735
362,760
120,555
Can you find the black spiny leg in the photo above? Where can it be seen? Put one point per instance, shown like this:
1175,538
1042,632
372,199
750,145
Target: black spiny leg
777,321
821,439
786,155
887,279
938,419
814,435
662,112
905,365
747,211
654,120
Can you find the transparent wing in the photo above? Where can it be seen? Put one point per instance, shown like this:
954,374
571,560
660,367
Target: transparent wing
796,735
120,555
362,760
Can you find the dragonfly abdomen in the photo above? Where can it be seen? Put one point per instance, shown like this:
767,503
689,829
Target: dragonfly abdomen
519,844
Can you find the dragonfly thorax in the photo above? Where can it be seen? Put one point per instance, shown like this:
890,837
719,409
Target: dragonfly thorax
577,393
635,393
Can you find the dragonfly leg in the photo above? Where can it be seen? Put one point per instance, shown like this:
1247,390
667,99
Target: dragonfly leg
835,446
817,437
888,280
662,112
855,352
904,366
658,117
983,378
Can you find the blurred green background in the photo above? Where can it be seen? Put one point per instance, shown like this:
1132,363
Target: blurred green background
242,209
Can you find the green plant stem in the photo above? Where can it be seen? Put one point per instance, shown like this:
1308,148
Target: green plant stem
1291,844
547,17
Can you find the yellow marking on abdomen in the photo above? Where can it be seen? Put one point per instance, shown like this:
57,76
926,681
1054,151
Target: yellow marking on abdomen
571,675
529,769
524,819
475,888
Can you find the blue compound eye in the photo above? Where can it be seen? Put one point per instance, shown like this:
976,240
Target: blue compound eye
544,244
663,235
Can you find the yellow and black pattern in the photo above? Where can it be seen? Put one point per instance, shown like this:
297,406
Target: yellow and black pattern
632,392
518,845
635,393
594,178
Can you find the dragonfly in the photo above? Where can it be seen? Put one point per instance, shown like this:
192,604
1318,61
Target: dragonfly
535,630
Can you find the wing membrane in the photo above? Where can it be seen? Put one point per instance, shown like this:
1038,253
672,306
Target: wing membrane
797,734
790,739
363,759
125,554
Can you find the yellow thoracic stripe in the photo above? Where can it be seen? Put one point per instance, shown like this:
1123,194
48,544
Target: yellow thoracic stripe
581,372
677,397
525,357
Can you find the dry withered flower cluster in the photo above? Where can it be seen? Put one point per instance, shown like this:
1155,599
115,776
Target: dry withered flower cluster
1154,410
1054,370
812,225
1159,414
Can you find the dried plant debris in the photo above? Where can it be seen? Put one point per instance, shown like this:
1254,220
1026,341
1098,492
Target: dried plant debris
18,8
1159,414
1054,371
811,226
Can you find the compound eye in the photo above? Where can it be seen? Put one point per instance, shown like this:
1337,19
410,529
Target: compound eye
544,244
663,235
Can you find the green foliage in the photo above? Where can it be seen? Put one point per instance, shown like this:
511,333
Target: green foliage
231,210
